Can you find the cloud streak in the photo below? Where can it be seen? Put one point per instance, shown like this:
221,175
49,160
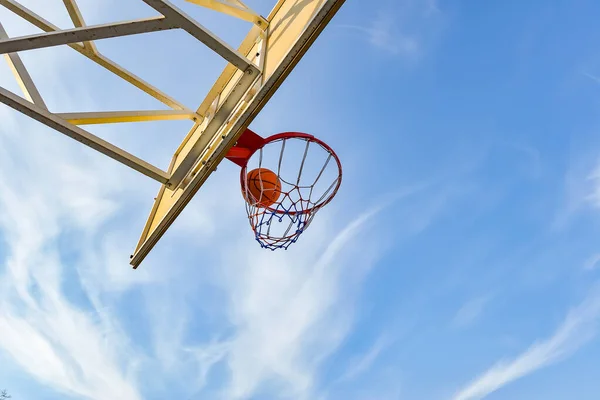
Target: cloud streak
366,361
577,329
401,30
592,77
75,350
382,35
470,311
289,312
592,262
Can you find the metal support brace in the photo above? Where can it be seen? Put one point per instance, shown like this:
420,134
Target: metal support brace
172,17
22,75
104,62
113,117
84,34
212,128
78,21
238,10
74,132
188,24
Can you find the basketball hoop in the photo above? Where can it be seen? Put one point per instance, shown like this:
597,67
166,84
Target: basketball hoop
285,180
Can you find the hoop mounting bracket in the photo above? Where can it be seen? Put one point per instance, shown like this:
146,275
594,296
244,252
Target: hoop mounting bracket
246,145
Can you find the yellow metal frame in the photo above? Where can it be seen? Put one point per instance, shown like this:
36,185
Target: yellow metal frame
81,38
22,75
235,8
91,53
77,18
255,70
114,117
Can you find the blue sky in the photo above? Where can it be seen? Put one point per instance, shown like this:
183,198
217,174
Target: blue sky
459,260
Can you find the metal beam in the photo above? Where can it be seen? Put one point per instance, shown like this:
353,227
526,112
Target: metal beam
110,65
188,24
74,132
84,34
78,21
22,75
238,10
212,128
113,117
228,72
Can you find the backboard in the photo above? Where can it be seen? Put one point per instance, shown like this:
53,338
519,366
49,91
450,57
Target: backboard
255,70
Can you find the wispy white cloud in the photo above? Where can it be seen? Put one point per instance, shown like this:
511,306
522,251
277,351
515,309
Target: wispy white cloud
592,262
367,376
534,157
401,29
64,349
364,363
289,312
592,77
55,199
383,35
470,311
577,329
75,350
581,186
432,7
592,187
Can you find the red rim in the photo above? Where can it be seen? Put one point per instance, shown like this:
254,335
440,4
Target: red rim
297,135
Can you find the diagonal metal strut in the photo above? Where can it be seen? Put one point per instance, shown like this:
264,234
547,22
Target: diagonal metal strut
83,136
78,21
101,60
85,34
202,34
22,75
236,9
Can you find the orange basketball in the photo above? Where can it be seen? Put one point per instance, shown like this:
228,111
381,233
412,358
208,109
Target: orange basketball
264,187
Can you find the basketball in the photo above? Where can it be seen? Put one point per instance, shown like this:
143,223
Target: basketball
264,187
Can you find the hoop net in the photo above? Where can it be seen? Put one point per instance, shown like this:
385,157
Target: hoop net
310,175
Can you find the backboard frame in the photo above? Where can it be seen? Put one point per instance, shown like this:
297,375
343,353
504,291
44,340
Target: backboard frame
270,51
